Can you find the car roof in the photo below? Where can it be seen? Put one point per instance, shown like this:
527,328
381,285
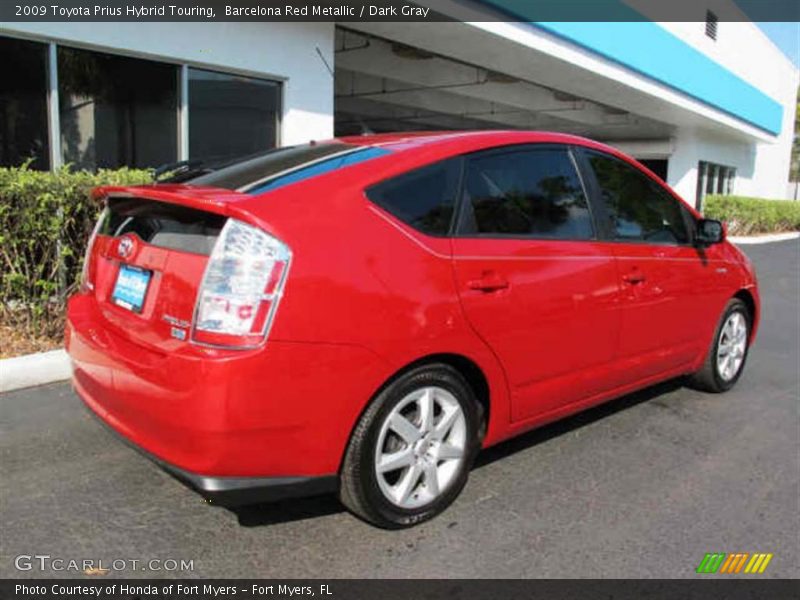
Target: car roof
408,140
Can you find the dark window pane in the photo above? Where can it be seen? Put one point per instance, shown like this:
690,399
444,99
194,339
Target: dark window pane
231,116
116,111
638,207
423,198
23,104
658,166
731,178
533,193
713,173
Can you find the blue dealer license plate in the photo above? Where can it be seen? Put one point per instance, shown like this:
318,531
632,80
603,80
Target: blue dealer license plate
131,287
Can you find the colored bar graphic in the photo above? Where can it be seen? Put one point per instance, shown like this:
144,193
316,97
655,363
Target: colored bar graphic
711,562
734,563
758,564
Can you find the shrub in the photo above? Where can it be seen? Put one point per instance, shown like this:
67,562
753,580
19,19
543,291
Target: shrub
45,221
753,215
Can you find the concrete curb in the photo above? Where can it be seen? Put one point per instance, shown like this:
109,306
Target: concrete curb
766,239
34,369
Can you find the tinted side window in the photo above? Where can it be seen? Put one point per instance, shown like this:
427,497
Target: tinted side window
424,198
531,192
639,209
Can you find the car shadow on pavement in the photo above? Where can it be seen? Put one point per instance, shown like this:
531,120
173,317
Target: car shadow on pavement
286,511
298,509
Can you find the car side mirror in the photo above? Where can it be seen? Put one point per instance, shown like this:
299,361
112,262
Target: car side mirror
709,231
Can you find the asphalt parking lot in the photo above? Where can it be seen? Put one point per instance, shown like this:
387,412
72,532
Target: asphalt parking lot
640,487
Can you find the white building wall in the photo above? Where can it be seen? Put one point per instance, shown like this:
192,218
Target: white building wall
744,49
289,52
282,51
692,146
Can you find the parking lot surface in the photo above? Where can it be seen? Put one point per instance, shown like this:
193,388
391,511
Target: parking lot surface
641,487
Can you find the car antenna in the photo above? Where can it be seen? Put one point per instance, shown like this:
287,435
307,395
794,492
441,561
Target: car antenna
324,62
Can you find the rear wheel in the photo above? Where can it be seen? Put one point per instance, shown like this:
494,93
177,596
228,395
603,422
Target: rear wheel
728,353
410,454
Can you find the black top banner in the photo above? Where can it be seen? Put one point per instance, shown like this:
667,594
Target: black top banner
396,10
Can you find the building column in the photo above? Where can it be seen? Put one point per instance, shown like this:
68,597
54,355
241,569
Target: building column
53,111
183,112
682,168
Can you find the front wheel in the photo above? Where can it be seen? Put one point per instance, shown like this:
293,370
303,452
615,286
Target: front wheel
728,353
411,452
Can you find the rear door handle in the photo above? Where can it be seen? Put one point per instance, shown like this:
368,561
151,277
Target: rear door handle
489,282
634,278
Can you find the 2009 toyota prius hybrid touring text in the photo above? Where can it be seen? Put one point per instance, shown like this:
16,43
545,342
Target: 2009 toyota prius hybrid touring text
362,315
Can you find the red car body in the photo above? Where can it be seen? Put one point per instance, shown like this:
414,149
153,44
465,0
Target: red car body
570,324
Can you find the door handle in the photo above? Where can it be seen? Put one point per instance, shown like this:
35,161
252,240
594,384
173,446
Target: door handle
489,282
634,278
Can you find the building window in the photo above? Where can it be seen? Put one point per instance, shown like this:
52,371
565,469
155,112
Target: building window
659,166
116,111
23,104
711,25
713,179
231,116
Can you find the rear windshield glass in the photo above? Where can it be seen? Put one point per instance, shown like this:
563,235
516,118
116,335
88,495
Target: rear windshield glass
319,167
161,224
282,166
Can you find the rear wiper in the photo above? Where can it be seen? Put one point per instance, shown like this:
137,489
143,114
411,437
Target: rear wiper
180,171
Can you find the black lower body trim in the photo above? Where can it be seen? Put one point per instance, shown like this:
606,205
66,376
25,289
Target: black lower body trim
239,491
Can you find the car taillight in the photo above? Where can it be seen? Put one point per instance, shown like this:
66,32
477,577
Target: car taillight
87,280
241,287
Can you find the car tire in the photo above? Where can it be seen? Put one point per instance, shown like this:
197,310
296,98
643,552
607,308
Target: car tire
394,476
729,347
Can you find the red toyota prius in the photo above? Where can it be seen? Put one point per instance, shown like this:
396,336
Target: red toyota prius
362,315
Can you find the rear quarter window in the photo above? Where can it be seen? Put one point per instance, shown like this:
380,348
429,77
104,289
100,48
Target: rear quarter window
424,198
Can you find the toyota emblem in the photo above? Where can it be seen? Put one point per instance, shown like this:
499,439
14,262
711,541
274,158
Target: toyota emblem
125,248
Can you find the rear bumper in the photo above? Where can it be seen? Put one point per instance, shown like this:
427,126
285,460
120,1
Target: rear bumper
236,426
239,491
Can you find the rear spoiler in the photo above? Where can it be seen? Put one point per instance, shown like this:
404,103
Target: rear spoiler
210,199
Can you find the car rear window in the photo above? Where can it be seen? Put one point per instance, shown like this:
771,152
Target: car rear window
161,224
424,198
319,167
281,166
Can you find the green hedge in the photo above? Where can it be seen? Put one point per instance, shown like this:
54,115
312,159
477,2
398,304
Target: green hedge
746,216
45,220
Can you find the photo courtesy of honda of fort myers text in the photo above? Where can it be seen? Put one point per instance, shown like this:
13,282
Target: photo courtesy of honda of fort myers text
413,299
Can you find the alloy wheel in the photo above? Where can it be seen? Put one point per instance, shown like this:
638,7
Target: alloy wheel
421,447
732,346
